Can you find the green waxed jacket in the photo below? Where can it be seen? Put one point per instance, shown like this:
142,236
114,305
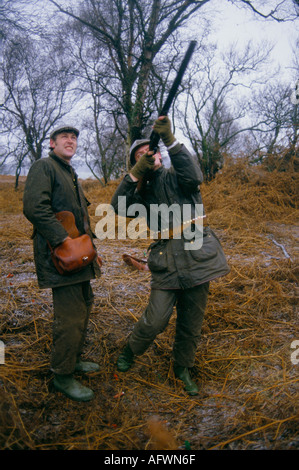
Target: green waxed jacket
172,265
52,186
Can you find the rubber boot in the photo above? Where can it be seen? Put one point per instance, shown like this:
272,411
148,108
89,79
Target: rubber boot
72,388
85,367
125,359
183,374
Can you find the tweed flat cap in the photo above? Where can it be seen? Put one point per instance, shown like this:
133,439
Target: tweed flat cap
64,128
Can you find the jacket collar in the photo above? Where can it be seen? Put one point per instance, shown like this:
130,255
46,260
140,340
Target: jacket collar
61,162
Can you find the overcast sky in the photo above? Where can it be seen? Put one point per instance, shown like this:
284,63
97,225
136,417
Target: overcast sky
232,24
242,25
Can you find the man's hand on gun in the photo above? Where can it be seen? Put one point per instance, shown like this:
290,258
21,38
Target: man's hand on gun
163,127
145,163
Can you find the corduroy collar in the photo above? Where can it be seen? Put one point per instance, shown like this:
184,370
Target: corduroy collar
63,163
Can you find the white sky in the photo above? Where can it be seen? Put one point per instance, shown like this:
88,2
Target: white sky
231,24
242,25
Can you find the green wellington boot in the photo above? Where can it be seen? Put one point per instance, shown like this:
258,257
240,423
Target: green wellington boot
125,359
183,374
72,388
82,366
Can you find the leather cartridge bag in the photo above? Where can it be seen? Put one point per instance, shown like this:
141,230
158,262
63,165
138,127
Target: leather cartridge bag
74,253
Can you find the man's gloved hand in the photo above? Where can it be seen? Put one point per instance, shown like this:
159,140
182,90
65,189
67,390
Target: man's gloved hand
163,127
145,163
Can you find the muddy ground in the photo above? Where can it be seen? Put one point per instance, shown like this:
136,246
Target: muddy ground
247,366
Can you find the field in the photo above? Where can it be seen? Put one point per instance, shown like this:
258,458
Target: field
247,364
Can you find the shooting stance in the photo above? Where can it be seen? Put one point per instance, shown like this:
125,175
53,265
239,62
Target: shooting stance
52,187
180,276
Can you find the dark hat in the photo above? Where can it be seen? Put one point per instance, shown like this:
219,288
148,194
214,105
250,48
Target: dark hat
64,128
134,147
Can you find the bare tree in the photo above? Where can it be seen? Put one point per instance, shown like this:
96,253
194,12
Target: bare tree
23,16
275,142
133,37
214,114
284,10
104,154
134,33
273,104
35,91
11,16
105,119
277,105
103,127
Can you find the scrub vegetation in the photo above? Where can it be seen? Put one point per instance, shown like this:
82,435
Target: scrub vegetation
247,363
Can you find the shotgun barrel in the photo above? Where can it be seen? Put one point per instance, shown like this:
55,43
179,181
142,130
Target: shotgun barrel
154,137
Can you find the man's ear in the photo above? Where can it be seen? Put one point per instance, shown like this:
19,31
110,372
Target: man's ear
52,143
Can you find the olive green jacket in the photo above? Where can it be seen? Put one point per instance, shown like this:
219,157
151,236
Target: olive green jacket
171,264
52,186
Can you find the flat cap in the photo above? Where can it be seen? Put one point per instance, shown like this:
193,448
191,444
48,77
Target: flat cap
134,147
64,128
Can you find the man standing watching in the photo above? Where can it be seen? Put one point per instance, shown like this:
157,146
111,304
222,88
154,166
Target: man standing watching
52,186
180,276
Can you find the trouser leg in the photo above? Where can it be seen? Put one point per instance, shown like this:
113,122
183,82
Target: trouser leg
88,298
191,305
72,305
153,321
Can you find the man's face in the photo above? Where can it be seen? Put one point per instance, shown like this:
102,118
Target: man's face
64,145
145,148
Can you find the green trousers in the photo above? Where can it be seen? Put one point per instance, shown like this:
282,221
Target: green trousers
190,305
72,305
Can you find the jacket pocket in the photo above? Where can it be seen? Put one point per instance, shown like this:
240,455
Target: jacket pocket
209,249
157,260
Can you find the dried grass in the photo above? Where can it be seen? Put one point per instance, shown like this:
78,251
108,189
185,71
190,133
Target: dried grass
249,385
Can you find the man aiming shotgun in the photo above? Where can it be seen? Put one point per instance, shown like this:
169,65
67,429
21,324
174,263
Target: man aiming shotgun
180,276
